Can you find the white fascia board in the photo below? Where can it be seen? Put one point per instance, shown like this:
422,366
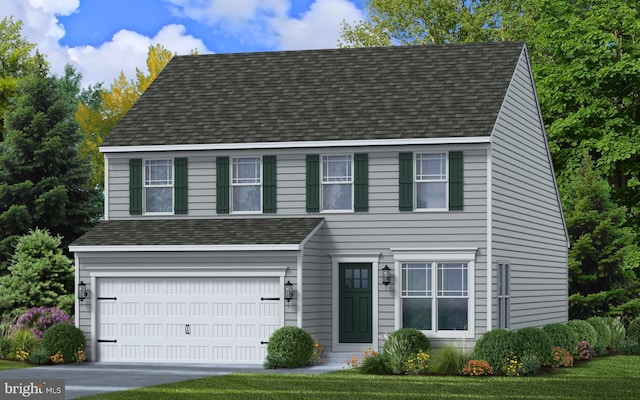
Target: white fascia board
296,145
178,248
311,234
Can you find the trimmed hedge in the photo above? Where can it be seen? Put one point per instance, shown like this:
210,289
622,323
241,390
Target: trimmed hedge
496,346
633,331
537,342
562,336
604,335
289,347
65,339
584,331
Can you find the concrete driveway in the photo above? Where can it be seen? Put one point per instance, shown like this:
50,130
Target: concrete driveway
94,378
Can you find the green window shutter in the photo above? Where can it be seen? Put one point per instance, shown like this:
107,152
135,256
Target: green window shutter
135,186
269,187
456,185
361,182
181,199
313,183
222,185
406,181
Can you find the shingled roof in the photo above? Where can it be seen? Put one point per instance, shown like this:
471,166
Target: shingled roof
199,232
435,91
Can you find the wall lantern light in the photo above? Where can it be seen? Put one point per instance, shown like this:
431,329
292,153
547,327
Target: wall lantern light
386,275
288,291
82,290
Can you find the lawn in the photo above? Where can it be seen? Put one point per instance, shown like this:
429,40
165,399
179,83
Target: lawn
616,377
4,365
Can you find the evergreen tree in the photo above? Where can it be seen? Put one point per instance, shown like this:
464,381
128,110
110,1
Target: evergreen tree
603,257
43,181
40,275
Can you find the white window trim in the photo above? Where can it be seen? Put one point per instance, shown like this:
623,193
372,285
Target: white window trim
322,184
232,185
415,182
144,186
462,255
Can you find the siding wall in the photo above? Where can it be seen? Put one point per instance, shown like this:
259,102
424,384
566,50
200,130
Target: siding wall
181,265
377,231
528,231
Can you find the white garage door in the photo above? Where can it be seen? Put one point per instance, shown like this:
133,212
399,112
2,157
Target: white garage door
201,320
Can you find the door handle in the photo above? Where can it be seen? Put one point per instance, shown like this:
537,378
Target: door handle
187,329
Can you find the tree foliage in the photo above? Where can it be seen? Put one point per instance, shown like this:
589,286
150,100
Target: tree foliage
604,254
43,181
97,115
39,274
16,59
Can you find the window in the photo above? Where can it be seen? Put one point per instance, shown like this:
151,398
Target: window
431,181
435,296
337,182
504,301
158,186
246,183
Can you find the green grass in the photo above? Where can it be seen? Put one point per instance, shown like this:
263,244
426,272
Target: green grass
5,365
605,377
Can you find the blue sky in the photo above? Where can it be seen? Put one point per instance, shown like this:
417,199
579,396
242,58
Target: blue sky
101,38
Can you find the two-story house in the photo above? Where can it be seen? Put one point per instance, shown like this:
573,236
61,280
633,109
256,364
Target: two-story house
350,192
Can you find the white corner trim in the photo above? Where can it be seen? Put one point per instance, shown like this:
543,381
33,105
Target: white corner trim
311,234
184,248
105,190
489,240
76,302
296,145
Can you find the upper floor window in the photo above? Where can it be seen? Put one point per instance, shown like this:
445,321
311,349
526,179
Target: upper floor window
158,186
431,181
337,182
246,183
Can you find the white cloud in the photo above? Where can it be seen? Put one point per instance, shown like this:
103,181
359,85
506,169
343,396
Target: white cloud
268,21
318,28
124,52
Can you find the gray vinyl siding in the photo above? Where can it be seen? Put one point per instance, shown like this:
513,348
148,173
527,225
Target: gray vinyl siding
148,264
528,230
377,231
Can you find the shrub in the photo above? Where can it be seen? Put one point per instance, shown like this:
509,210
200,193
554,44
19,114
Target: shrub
477,368
495,347
633,331
618,333
561,358
561,336
418,364
530,364
537,342
23,341
38,319
289,347
39,357
629,347
5,346
376,364
64,340
406,342
585,332
603,334
584,351
449,360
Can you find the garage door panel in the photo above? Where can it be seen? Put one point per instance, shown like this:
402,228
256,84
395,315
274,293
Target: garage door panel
227,319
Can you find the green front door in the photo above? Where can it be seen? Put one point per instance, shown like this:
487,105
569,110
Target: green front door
355,303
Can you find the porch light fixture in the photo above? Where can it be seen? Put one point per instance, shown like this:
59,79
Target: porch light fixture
288,291
82,290
386,275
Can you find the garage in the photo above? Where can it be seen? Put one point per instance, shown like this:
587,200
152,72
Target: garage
197,320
